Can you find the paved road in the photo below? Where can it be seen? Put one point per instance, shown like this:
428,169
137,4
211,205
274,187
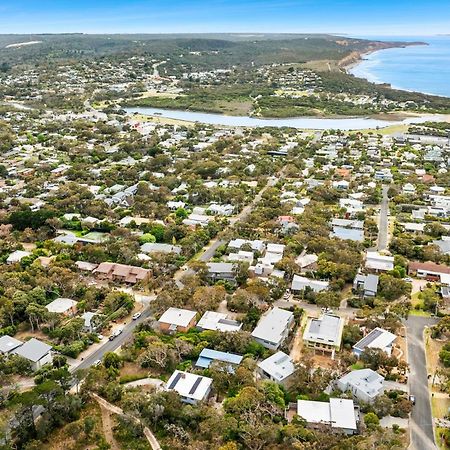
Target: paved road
421,423
384,220
113,345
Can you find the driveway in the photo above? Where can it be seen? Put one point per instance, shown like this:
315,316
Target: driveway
421,421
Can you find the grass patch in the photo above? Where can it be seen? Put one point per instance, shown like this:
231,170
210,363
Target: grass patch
419,313
131,377
357,366
439,406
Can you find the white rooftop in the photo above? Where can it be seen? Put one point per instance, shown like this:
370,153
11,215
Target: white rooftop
326,330
177,316
189,385
279,366
375,260
213,320
339,412
272,325
61,305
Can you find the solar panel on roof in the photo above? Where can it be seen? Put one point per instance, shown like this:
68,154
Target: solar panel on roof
195,385
175,380
365,341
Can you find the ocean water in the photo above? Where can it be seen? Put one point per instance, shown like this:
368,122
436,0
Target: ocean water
418,68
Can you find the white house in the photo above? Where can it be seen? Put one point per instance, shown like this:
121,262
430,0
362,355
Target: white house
17,256
61,305
299,283
273,328
177,319
278,367
365,384
377,338
154,247
217,321
379,263
191,387
324,333
339,414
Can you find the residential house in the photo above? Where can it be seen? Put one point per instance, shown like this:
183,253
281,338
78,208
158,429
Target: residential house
377,338
378,262
37,352
88,318
367,285
221,271
338,414
428,270
300,283
192,388
64,306
8,344
220,210
154,247
365,384
208,356
273,328
325,333
177,320
443,244
237,244
121,272
217,321
16,257
278,367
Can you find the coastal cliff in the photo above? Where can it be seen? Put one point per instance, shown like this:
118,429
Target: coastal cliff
356,56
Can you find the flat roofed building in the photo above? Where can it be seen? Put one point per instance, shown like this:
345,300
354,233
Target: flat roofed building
191,387
216,321
273,328
177,319
377,338
278,367
339,414
324,333
8,344
365,384
37,352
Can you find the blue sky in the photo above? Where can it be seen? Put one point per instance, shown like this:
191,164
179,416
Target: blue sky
356,17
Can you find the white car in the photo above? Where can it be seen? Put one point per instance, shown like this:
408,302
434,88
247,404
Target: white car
137,315
100,337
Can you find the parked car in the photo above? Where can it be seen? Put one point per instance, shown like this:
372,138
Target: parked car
137,315
412,399
115,334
